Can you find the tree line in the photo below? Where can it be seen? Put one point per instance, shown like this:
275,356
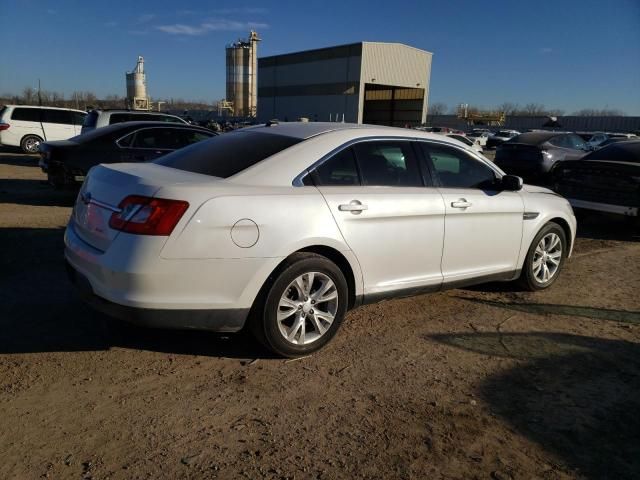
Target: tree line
530,109
85,100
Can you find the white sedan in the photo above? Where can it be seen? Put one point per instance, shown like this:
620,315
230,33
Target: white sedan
285,227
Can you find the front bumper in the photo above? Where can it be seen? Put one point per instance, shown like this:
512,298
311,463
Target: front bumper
217,320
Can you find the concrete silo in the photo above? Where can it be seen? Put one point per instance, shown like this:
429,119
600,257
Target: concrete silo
137,98
242,75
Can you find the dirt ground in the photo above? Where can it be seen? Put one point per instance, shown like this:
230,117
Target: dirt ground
481,383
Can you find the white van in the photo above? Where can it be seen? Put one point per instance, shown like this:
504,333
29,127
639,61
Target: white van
25,126
102,118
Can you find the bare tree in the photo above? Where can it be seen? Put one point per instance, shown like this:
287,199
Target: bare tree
534,109
508,108
29,95
437,108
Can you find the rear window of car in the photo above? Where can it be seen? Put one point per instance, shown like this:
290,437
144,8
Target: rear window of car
227,154
26,114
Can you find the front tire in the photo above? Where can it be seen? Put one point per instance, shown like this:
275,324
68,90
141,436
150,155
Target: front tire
302,307
545,258
30,143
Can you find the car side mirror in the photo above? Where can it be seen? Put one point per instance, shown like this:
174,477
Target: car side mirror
511,183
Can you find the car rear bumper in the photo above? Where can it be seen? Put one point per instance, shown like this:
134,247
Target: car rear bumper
133,282
604,207
218,320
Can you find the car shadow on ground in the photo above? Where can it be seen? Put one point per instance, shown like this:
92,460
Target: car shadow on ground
624,316
575,396
40,311
35,193
601,226
19,160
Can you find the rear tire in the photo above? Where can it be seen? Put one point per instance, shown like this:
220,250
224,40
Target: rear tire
301,307
545,258
30,144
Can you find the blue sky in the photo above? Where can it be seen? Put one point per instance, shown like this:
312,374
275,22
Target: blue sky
566,54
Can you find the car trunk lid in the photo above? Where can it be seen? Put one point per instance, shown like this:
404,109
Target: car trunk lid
107,185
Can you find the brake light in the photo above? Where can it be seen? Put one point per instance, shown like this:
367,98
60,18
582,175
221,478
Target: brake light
4,126
148,216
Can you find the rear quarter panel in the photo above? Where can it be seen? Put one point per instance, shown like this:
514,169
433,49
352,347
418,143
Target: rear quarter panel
286,220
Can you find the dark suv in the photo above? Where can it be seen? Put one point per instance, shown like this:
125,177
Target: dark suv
532,155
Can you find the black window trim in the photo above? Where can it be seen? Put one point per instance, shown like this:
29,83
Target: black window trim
298,180
135,133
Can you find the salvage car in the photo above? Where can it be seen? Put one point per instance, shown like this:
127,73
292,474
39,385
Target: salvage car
500,137
283,228
67,162
607,180
532,155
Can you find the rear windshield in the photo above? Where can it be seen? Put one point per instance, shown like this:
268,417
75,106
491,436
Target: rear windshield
91,120
227,154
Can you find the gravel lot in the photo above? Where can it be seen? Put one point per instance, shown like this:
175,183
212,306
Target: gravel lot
486,383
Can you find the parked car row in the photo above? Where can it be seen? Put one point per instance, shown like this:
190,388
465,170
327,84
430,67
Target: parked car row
66,162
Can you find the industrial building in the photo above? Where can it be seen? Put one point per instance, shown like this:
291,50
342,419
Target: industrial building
242,86
137,98
366,82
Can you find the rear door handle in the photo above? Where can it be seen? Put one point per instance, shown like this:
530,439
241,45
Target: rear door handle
354,206
461,203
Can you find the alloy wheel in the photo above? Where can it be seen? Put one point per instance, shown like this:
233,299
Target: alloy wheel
307,308
547,257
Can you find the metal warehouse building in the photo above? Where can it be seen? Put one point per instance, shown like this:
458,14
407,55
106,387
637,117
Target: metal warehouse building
366,82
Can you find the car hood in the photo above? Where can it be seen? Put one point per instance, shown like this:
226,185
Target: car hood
536,189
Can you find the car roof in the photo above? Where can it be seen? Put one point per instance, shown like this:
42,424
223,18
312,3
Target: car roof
535,138
118,128
44,106
304,130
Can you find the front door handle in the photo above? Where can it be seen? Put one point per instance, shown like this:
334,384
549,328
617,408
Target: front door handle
354,206
461,203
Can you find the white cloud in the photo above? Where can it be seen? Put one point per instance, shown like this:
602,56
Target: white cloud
545,50
210,26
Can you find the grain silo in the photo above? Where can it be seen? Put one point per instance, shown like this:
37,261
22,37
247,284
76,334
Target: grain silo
137,98
242,73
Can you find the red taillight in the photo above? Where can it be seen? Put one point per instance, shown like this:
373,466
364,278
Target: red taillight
4,126
148,216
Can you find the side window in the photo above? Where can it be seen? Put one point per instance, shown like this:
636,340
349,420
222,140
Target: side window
57,116
338,170
126,141
78,118
577,142
118,118
456,169
187,137
161,138
390,164
26,114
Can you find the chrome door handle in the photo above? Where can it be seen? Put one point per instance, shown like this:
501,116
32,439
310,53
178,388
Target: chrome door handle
354,206
462,203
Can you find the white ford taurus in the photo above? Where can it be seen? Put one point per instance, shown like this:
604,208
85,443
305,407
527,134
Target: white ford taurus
285,227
